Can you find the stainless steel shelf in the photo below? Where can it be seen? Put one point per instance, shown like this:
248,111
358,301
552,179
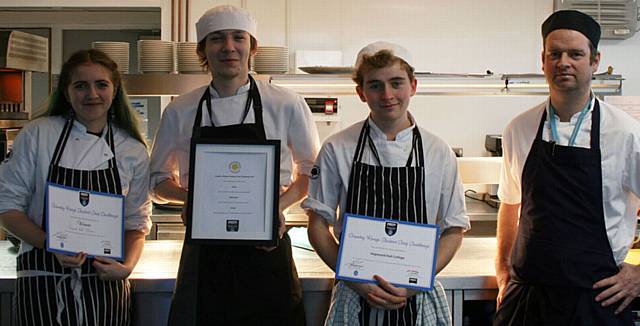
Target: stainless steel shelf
166,84
447,84
13,119
14,115
480,211
163,84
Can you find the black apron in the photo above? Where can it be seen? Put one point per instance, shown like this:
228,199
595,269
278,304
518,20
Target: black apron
387,192
45,289
236,285
562,247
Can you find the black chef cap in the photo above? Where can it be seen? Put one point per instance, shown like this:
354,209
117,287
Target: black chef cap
575,20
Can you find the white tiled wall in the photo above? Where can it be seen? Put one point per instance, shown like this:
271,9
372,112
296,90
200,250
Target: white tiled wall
460,121
443,35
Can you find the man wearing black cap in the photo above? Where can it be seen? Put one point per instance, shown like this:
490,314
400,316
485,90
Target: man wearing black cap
569,188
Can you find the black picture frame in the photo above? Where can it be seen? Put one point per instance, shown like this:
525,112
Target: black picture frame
233,236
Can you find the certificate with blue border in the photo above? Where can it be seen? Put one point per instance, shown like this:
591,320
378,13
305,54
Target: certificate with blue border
84,221
402,253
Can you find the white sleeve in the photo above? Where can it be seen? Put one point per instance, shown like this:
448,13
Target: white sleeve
303,137
137,201
509,187
451,206
324,185
18,173
631,173
164,163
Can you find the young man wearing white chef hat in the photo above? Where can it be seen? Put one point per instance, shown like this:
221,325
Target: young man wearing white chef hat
234,285
386,167
569,193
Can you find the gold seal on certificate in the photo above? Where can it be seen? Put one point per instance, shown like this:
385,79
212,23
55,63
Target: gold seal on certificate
233,192
84,221
403,253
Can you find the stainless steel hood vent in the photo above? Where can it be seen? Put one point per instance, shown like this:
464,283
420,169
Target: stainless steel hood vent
619,19
24,51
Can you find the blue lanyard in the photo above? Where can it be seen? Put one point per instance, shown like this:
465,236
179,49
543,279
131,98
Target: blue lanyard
553,120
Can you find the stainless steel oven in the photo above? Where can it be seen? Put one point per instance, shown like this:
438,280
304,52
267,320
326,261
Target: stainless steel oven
20,54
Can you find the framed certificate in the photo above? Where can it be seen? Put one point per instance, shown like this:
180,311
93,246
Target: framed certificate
403,253
233,192
84,221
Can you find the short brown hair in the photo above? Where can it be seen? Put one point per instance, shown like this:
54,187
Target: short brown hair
382,59
202,57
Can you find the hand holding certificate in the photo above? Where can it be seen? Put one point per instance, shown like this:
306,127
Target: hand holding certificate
401,252
84,221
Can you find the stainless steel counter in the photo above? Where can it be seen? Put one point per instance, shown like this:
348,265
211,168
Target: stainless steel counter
470,275
471,268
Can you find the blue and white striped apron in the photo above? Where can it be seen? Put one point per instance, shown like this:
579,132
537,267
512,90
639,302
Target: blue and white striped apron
49,294
395,193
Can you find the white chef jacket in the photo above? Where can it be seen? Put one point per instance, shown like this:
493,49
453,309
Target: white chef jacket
620,149
443,187
285,114
23,176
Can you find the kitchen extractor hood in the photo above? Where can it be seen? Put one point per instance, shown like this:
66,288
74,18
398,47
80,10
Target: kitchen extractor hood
619,19
23,51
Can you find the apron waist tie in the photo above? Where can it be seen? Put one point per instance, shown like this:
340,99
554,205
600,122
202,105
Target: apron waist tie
76,287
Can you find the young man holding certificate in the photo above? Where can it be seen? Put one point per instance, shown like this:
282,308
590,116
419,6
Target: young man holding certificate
394,185
234,285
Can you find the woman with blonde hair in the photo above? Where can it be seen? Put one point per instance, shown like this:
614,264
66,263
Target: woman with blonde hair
88,140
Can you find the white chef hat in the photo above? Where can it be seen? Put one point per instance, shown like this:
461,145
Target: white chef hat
225,17
375,47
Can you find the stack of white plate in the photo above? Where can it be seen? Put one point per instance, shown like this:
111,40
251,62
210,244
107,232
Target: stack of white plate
117,51
188,61
271,60
156,56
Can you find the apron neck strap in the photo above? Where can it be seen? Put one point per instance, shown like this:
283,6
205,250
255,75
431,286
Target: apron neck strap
253,98
372,146
64,136
416,148
595,125
365,139
62,141
205,98
111,142
553,123
361,140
